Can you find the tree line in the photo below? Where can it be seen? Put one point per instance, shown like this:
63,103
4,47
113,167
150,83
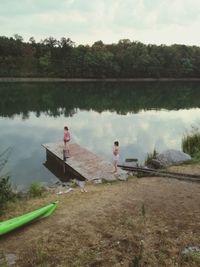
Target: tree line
125,59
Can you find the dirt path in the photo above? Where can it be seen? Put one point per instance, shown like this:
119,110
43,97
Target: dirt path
142,222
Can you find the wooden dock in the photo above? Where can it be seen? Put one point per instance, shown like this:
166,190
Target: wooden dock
82,163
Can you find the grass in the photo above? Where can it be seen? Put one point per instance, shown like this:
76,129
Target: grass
143,211
191,144
138,258
3,262
6,193
36,190
133,224
151,156
193,258
13,200
41,257
36,196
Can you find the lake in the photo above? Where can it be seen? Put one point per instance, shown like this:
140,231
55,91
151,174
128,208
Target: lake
142,116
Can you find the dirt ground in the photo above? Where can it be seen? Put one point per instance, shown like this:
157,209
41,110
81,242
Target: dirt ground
141,222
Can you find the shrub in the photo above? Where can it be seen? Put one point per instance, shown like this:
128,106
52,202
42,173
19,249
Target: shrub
151,156
36,189
192,257
6,193
191,143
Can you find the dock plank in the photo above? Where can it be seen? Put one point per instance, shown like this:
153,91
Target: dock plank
84,162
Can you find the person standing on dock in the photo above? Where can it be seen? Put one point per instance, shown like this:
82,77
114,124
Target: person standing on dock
66,140
116,155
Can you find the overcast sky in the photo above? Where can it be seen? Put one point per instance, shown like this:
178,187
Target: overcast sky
87,21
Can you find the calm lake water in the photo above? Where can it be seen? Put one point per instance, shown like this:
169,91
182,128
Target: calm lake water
142,116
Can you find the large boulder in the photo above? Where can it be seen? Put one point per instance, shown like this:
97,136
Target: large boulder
171,157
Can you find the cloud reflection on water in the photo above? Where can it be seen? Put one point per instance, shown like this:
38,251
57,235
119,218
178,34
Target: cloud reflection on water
137,133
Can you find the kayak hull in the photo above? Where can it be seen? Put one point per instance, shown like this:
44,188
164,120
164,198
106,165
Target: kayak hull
17,222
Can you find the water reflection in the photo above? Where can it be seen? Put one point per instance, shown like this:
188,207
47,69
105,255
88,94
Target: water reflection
141,116
57,99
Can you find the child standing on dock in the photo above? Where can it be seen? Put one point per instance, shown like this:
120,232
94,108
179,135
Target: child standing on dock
116,155
66,140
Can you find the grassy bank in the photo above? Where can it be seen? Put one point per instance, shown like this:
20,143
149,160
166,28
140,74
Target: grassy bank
142,222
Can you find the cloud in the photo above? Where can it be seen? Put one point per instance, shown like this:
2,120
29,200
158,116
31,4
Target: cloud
149,21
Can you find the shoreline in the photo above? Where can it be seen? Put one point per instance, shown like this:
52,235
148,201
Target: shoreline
45,79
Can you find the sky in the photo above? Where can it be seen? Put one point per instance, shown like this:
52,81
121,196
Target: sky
86,21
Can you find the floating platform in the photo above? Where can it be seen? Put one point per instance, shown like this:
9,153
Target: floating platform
82,163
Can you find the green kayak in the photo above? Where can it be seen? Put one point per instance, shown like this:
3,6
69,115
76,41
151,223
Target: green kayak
16,222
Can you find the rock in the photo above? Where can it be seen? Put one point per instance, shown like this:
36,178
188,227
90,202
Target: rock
156,164
191,249
172,156
110,177
122,177
191,253
97,181
64,192
11,259
81,184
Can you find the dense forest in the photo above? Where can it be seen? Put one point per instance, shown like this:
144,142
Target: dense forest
126,59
